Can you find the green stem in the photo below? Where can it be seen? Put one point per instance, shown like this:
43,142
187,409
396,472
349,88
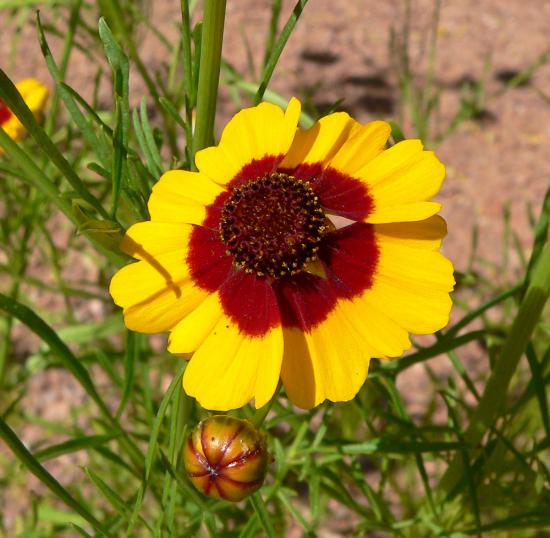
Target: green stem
492,402
74,20
209,73
189,83
272,34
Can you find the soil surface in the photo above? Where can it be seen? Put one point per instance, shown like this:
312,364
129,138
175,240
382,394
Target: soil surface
341,50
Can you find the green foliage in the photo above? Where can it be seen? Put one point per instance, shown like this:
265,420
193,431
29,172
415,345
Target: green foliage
476,462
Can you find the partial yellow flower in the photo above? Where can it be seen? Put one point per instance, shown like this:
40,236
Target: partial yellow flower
291,254
35,95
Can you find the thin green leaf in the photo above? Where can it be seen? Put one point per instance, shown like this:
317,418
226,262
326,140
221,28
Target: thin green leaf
153,444
171,109
81,122
540,389
73,445
150,139
29,461
70,362
263,515
278,49
131,356
442,346
121,72
540,235
116,501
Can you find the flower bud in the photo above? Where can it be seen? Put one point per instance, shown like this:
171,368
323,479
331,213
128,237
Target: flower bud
226,457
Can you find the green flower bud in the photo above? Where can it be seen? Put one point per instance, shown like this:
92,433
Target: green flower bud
226,457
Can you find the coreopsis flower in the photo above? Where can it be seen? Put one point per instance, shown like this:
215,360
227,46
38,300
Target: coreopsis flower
293,254
35,95
226,457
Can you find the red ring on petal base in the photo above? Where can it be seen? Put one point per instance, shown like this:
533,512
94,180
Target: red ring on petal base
5,112
338,193
256,169
250,302
257,304
350,257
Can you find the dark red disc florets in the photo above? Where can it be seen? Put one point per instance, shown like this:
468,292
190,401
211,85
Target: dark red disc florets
273,225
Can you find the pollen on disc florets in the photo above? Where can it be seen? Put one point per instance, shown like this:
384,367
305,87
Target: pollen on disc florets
272,225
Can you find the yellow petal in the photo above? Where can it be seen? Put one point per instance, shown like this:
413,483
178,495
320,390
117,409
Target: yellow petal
298,371
321,143
421,234
412,281
191,331
181,196
378,332
13,128
401,180
35,95
156,294
146,239
329,362
403,213
231,368
362,147
415,268
252,133
419,310
390,162
419,179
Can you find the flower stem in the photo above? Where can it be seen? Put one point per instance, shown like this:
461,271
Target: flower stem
189,83
209,73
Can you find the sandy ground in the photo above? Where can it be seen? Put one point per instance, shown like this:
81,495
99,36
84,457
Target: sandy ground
340,50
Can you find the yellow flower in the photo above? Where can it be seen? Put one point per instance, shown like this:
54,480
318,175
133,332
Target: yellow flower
293,254
35,95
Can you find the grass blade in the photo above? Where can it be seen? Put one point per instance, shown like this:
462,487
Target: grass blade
263,515
278,49
70,362
514,346
73,445
32,464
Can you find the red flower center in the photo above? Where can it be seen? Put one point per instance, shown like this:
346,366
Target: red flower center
5,112
273,225
348,256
